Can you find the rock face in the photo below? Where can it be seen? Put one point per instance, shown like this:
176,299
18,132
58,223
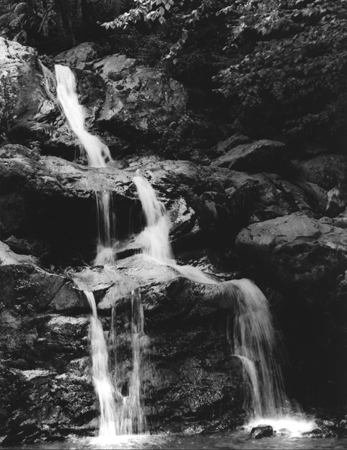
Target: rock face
260,156
298,250
44,318
25,103
139,101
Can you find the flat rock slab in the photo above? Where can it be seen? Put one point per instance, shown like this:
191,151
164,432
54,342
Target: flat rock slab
107,284
259,156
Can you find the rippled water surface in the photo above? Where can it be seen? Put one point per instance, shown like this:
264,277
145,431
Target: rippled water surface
231,440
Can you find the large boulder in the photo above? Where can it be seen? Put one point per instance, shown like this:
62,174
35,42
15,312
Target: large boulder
259,156
140,102
297,250
78,56
328,171
25,103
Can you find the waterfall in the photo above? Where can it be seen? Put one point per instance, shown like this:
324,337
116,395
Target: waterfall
253,336
97,152
154,238
119,414
130,417
100,373
253,341
98,155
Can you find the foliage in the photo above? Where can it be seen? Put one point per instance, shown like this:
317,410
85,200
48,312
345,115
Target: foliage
147,10
296,72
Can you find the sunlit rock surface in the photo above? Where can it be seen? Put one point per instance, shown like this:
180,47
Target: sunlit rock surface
25,102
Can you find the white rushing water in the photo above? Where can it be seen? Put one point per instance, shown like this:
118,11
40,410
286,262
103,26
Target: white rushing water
98,155
130,417
154,238
119,414
253,336
100,373
97,152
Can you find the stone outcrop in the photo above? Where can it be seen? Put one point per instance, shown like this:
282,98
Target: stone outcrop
25,105
259,156
140,101
303,252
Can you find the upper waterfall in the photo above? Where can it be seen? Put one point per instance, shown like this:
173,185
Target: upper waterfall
98,153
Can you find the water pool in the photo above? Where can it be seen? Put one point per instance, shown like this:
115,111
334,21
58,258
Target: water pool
227,440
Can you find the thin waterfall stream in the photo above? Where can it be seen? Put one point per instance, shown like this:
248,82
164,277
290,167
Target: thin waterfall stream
100,373
98,155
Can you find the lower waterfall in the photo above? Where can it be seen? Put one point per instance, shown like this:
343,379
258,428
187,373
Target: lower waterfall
100,373
253,337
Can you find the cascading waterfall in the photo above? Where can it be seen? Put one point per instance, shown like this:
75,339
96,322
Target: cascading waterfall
100,373
253,336
118,414
130,417
154,238
254,343
98,155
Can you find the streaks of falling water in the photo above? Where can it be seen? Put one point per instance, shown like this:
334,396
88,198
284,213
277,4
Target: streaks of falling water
98,155
97,152
130,417
154,239
253,339
100,373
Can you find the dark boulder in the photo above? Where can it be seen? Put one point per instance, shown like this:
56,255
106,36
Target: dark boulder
262,431
297,250
259,156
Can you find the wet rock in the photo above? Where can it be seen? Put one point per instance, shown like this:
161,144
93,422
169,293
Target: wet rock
318,195
259,156
22,88
8,257
140,102
336,202
259,197
25,246
300,251
51,200
28,288
75,57
233,141
68,299
111,66
328,171
262,431
11,381
319,433
108,285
